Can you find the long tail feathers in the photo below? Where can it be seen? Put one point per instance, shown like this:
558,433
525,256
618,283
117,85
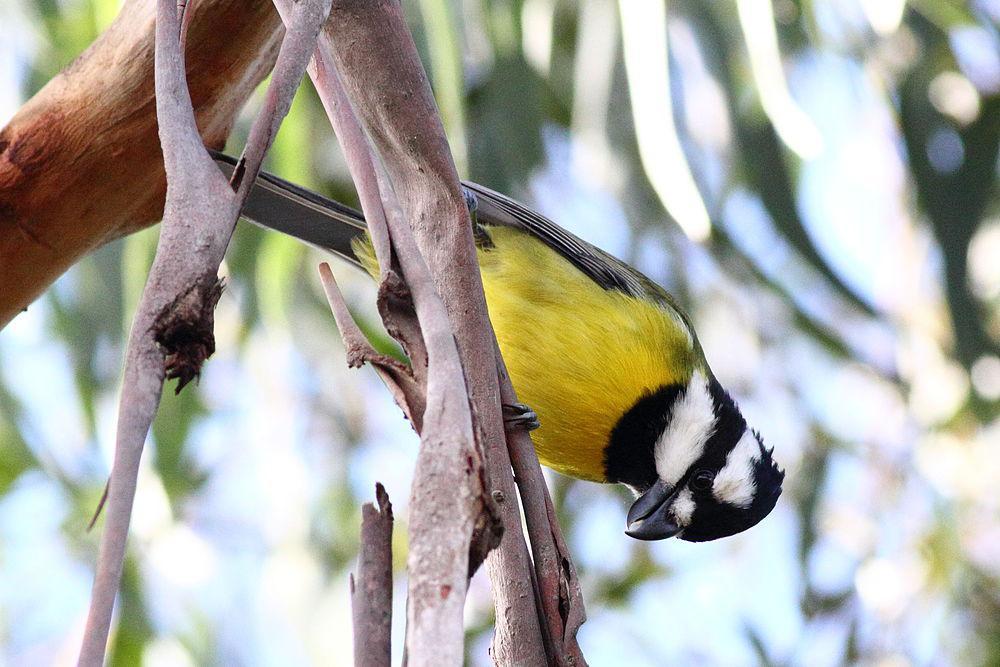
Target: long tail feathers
275,203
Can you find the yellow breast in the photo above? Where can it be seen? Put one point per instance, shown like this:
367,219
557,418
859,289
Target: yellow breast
578,354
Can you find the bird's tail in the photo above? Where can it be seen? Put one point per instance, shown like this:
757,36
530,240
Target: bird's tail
275,203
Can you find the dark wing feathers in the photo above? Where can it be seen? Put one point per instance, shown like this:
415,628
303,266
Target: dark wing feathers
498,209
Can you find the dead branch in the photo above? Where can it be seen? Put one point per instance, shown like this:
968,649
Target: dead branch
371,591
398,377
80,163
173,323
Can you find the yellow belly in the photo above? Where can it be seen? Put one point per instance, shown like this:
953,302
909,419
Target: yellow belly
578,354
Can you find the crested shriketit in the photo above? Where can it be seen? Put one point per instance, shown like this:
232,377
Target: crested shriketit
604,356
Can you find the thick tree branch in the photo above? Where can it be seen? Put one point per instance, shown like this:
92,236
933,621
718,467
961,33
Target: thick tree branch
449,494
387,84
396,116
401,118
80,163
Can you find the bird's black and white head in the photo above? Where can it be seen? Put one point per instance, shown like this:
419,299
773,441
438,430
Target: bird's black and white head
699,471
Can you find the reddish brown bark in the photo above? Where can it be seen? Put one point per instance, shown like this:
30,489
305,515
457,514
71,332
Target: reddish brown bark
80,163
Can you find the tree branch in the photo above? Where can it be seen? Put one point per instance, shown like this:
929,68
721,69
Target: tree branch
397,376
449,494
90,136
172,331
558,587
374,52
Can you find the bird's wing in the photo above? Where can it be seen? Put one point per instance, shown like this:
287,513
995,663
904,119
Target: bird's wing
604,269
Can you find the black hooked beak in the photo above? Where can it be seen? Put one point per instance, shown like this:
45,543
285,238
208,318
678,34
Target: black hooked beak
648,518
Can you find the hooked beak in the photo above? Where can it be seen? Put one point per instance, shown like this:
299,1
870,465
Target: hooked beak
649,516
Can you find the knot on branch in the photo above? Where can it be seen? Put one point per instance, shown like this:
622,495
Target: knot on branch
184,329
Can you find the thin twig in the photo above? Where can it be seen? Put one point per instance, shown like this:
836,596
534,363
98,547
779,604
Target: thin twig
558,586
397,376
305,22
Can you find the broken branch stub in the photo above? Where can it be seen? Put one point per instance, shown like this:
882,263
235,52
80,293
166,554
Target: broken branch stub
398,377
371,590
559,592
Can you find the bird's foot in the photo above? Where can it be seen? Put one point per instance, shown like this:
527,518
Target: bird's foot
519,414
480,235
471,202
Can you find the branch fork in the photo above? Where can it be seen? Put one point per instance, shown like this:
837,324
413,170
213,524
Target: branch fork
172,329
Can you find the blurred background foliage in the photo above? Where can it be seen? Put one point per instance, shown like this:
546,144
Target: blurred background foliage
814,179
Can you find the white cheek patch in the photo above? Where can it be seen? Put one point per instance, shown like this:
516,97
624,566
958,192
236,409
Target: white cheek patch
735,483
683,508
692,423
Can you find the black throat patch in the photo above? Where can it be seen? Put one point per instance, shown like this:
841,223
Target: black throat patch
628,456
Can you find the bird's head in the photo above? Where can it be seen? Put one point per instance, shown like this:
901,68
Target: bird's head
699,471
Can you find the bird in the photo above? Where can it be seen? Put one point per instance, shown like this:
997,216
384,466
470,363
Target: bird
607,364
